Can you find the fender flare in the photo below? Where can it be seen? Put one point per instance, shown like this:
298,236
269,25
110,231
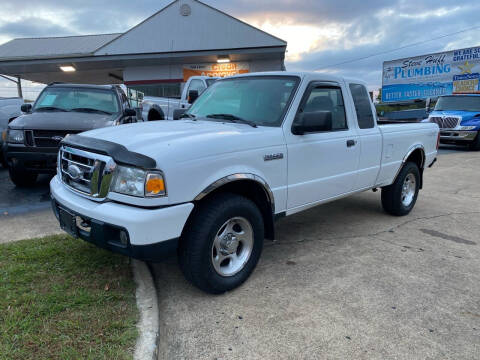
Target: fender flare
405,158
238,177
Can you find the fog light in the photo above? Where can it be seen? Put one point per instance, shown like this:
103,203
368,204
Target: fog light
123,238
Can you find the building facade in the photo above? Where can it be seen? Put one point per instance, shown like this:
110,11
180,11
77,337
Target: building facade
157,56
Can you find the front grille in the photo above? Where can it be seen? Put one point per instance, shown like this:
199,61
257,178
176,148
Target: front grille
46,138
446,122
86,172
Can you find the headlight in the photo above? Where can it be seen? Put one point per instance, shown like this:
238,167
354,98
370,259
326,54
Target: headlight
15,136
137,182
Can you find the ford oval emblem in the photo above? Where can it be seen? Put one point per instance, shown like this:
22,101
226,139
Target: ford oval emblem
74,172
57,138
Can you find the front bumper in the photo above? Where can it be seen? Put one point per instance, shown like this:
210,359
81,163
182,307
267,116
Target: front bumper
32,159
152,233
453,136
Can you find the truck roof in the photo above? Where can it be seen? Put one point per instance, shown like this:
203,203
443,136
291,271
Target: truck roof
304,75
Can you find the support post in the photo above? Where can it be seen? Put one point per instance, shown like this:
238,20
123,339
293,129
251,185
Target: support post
19,87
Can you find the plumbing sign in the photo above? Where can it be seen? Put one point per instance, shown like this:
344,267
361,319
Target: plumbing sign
431,75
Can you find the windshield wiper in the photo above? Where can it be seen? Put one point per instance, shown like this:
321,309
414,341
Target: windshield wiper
50,108
90,110
232,118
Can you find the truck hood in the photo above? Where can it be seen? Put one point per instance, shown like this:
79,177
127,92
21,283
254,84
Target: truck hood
185,140
49,120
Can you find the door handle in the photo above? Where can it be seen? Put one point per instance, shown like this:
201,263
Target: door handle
351,143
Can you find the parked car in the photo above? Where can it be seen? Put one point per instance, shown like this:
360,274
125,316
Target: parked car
255,148
159,108
458,117
9,110
33,138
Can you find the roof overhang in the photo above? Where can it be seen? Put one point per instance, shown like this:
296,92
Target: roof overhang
109,69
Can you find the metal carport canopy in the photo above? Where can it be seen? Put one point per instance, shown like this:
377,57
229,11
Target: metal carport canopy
109,69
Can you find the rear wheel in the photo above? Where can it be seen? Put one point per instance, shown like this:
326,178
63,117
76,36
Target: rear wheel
222,243
399,198
475,145
22,178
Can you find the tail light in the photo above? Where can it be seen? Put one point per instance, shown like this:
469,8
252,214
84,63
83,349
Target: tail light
438,140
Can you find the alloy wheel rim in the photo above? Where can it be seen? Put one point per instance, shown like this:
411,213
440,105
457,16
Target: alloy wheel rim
232,246
409,188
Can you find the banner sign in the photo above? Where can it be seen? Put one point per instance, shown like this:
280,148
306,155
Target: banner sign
431,75
214,70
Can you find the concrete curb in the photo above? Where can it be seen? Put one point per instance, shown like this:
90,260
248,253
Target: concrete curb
148,326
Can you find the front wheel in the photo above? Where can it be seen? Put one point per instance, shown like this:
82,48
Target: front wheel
222,243
475,145
3,161
22,178
399,198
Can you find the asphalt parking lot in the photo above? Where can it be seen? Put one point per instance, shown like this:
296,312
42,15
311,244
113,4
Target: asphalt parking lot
347,281
25,213
342,281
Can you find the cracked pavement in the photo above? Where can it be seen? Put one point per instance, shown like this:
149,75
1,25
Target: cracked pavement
347,281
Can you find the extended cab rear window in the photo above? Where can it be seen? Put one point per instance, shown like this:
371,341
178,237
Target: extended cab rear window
363,108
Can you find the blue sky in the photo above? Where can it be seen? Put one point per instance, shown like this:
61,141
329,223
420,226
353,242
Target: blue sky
320,33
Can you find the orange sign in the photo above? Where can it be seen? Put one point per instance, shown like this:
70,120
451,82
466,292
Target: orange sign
214,70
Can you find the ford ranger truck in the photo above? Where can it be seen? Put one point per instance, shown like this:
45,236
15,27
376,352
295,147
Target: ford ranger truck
33,139
252,149
458,117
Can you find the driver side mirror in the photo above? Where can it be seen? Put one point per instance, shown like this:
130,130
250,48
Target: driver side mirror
315,121
192,96
26,108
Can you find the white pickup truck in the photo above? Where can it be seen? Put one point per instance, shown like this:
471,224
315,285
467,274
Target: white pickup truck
159,108
9,110
254,148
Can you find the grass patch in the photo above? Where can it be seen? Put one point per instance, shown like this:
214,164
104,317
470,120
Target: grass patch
61,298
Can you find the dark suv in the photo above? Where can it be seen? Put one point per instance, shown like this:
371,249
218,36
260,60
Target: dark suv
33,138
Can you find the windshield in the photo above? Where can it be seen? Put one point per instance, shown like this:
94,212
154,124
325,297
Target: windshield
77,99
260,100
458,103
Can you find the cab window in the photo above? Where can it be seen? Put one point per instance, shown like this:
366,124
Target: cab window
361,100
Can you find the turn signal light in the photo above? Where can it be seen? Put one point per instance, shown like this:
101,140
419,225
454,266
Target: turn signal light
155,185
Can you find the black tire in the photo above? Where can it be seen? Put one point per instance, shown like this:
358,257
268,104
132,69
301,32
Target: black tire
392,197
156,114
22,178
196,245
475,145
3,161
